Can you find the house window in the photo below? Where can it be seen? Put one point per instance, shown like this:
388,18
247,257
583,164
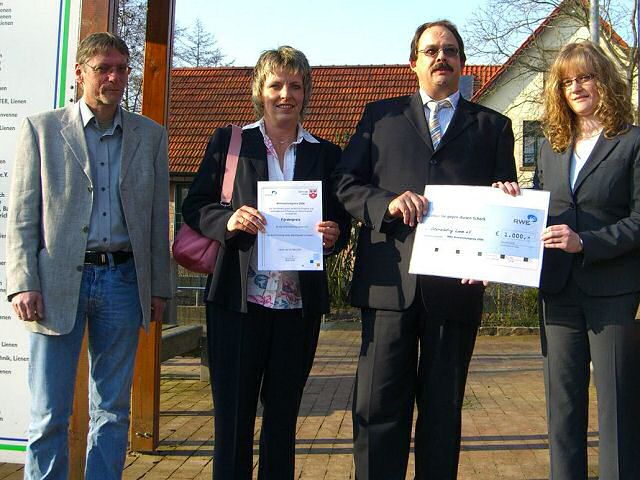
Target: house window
466,86
181,192
532,138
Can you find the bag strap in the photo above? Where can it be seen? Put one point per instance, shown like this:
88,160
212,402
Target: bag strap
231,164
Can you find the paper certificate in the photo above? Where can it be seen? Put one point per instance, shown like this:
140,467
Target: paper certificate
481,233
292,210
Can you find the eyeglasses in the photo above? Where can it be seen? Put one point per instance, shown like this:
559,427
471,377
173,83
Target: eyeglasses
104,69
580,80
448,51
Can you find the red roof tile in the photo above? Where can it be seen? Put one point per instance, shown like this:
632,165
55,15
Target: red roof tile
203,99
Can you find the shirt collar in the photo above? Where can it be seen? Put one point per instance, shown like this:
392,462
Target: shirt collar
302,133
453,98
87,115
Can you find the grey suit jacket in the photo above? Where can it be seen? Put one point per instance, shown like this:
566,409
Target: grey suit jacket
50,207
603,208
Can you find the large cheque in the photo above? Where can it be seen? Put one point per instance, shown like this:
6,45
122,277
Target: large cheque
292,210
481,233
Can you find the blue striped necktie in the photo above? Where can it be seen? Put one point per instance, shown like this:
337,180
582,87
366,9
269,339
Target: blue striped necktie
434,122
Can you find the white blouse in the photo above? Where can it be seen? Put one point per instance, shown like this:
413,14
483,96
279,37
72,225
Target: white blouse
581,153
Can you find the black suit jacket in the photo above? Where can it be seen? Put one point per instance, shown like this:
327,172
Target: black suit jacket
604,209
390,153
203,212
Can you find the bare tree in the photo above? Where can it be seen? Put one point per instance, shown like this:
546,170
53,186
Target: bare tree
501,26
196,47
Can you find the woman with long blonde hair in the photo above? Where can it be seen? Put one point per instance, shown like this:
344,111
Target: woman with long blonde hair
590,285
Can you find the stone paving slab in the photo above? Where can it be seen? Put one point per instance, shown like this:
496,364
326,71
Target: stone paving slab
503,429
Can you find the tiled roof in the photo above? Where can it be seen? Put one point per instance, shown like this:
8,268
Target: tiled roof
203,99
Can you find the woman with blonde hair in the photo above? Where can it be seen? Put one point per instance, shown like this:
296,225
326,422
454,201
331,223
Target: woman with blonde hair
590,285
262,326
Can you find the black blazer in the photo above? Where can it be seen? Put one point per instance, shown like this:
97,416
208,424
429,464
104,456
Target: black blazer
202,211
604,209
390,153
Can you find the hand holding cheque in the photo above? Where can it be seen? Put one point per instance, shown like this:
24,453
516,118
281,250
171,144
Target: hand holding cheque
410,206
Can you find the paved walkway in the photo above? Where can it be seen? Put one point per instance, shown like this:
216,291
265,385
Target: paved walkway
504,431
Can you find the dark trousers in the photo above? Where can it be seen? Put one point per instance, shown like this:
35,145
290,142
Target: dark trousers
418,355
264,354
577,329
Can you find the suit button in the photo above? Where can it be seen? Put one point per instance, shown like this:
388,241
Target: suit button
90,189
433,161
79,268
85,229
572,206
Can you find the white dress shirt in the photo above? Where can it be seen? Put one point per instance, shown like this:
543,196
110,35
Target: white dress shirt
445,114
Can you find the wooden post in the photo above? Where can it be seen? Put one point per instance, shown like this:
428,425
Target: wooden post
145,401
79,422
97,16
157,60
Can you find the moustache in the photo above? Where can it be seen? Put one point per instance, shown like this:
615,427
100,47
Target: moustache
441,66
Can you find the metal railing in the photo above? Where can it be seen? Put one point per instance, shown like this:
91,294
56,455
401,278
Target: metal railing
198,296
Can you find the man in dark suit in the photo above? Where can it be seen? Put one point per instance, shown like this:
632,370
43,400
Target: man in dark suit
418,332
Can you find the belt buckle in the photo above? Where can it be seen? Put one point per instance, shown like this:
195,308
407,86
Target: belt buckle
102,258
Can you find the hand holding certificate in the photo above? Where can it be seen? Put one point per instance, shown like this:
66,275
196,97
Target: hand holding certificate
481,233
290,240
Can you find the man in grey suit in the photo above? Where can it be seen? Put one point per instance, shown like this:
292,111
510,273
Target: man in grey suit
87,244
418,331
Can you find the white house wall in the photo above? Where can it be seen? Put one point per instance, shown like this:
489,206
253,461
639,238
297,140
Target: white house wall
517,93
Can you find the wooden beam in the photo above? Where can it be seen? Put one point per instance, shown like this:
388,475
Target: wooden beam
145,402
145,392
97,16
157,60
79,422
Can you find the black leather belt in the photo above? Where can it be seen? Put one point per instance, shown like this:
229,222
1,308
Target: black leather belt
101,258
